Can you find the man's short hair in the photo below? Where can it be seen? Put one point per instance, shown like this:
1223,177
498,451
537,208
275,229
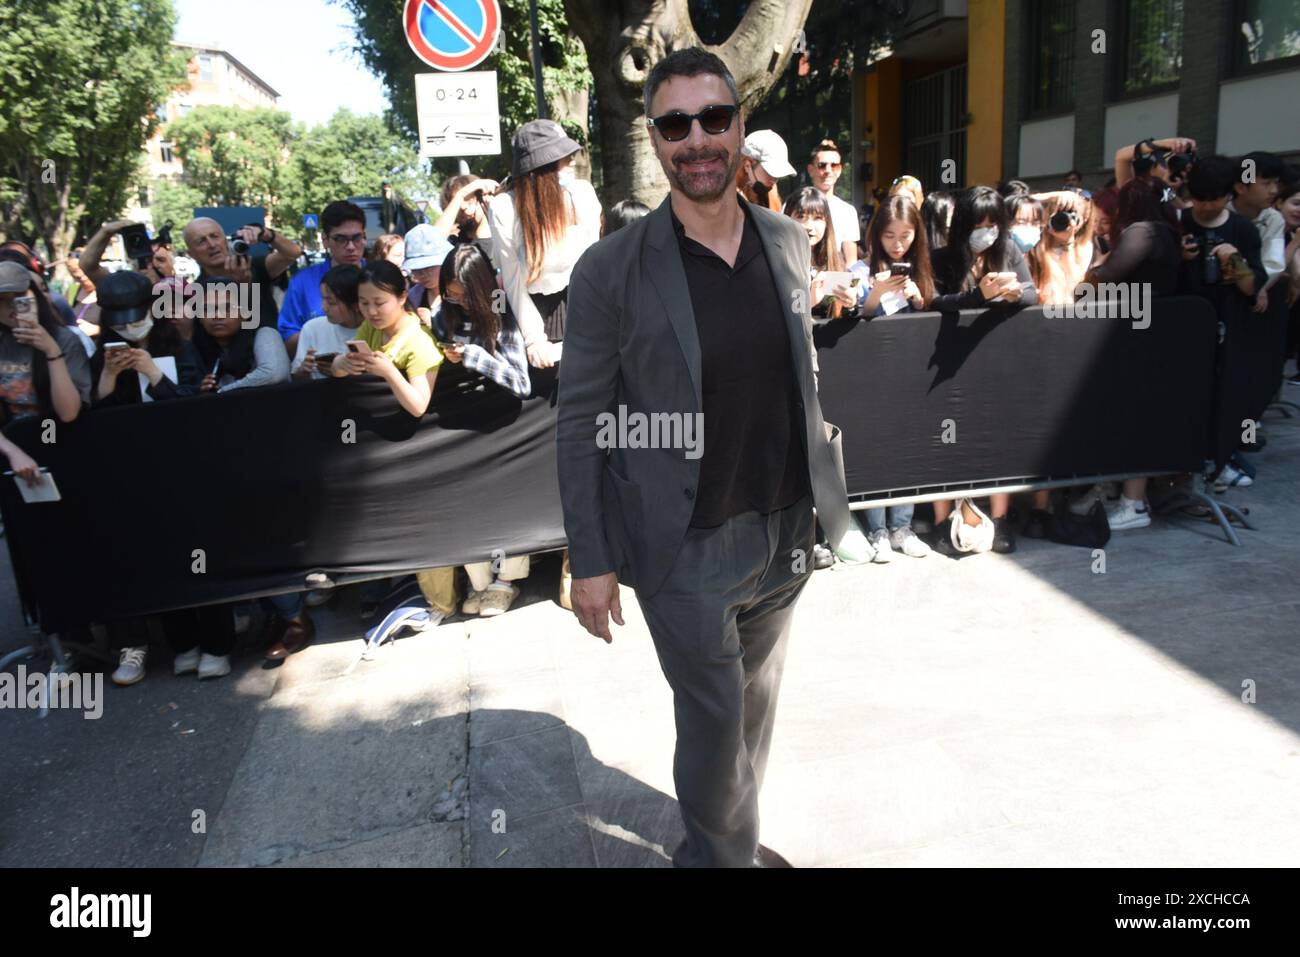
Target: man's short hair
1211,177
338,213
1267,166
1075,173
691,61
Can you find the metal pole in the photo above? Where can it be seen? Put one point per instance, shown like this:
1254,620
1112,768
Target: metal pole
537,61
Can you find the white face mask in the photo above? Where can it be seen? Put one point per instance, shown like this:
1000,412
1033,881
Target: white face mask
1026,236
566,176
134,331
982,239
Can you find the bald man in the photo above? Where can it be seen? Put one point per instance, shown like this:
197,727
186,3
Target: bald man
206,243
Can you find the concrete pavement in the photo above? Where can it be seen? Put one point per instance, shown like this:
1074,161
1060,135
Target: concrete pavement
996,710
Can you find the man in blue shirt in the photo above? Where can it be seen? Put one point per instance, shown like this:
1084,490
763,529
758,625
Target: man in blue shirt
343,226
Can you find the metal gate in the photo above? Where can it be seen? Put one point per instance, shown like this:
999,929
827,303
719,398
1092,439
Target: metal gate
934,128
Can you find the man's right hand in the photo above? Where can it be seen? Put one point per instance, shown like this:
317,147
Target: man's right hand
595,600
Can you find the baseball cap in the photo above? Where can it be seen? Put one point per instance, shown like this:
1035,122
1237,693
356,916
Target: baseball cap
124,297
539,142
14,278
769,150
425,247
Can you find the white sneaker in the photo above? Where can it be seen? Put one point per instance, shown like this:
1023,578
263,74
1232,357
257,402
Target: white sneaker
1232,477
186,662
243,620
497,599
1126,514
908,542
879,540
130,666
213,666
854,549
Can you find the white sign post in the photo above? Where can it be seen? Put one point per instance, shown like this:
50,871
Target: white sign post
457,113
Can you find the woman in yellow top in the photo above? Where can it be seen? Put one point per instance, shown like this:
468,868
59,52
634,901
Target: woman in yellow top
402,352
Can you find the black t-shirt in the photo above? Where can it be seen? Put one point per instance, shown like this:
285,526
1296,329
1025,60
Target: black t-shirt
753,459
1240,232
268,311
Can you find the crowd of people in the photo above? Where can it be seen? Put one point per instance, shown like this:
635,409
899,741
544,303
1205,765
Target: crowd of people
484,285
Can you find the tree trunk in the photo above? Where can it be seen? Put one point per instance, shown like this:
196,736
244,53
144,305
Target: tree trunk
622,50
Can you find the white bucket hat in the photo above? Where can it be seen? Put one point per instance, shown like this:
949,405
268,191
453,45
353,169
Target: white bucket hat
769,151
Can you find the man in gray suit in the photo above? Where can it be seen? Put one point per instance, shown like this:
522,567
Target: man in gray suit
698,314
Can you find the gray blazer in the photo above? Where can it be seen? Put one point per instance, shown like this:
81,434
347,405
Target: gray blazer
630,340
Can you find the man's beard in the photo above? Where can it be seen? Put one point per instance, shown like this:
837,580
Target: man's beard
704,186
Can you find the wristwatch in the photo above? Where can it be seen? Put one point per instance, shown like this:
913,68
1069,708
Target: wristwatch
261,238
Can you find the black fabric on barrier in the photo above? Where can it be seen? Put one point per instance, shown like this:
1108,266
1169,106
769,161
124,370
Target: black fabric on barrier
1028,396
262,481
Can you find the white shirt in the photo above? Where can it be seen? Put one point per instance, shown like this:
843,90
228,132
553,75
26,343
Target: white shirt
323,336
1272,239
844,220
511,259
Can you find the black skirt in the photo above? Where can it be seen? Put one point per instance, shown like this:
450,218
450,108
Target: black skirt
552,306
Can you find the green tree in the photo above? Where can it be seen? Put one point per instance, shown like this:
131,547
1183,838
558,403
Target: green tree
173,201
237,157
80,81
381,43
353,156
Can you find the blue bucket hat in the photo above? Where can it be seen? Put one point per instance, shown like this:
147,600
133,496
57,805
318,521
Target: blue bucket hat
425,247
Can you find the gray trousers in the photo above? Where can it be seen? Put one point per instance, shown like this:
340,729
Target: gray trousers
719,625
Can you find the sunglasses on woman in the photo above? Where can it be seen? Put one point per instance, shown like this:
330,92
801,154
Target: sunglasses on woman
675,126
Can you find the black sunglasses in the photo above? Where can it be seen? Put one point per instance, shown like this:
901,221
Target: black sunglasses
675,126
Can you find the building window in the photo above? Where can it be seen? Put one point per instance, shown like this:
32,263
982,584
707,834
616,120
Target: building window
184,108
205,68
1153,44
1266,30
144,197
165,151
1051,32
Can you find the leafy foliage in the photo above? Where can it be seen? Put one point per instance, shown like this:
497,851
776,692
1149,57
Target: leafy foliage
80,81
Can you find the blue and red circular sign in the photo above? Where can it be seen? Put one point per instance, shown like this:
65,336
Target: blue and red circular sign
451,34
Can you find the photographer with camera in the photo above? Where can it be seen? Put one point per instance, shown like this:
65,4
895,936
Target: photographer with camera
1167,160
343,229
153,257
464,211
219,257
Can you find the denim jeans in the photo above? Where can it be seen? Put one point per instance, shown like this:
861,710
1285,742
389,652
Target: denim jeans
287,606
900,516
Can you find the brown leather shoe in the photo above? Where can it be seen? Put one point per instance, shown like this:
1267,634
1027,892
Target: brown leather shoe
299,632
766,857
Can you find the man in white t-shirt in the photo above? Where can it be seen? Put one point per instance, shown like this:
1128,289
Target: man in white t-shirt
824,168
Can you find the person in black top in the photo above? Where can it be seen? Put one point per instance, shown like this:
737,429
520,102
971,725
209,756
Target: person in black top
131,340
1222,262
979,267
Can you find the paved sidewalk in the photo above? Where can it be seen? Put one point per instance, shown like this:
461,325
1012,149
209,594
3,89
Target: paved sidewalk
997,710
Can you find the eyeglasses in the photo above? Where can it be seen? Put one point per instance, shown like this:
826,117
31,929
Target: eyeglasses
356,239
826,165
675,126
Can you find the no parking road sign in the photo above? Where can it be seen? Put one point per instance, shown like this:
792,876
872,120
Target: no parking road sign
451,34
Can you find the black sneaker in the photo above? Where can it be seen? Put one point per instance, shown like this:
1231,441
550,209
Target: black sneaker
1040,520
1004,538
941,542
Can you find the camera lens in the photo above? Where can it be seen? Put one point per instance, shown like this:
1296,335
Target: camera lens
1060,221
239,247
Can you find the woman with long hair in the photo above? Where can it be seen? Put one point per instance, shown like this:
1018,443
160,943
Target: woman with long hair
1144,251
897,279
809,208
1061,257
131,341
541,223
937,213
979,268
